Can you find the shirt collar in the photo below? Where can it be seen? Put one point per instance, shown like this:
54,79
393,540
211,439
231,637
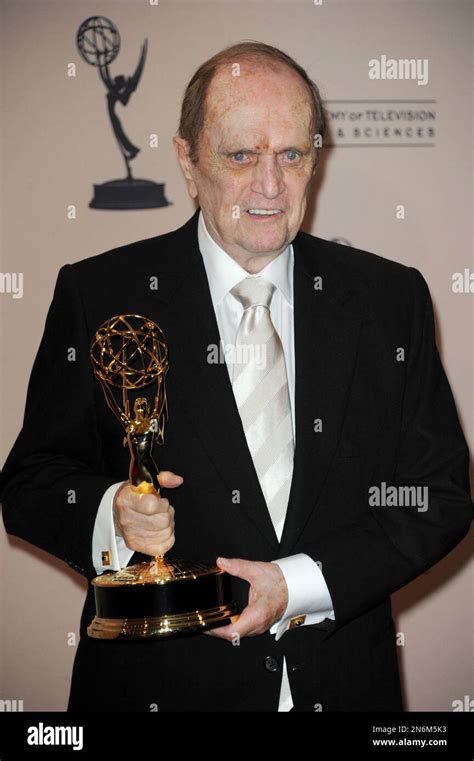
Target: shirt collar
223,272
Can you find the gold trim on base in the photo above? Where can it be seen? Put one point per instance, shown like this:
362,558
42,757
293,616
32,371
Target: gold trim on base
156,571
160,626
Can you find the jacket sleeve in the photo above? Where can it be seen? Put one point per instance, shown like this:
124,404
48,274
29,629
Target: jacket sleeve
53,479
369,560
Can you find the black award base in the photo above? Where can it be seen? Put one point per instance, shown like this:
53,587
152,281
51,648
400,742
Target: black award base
161,599
129,193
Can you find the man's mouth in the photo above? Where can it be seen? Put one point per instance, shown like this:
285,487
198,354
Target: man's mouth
263,213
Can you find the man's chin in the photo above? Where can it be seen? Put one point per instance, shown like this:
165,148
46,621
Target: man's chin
253,241
264,242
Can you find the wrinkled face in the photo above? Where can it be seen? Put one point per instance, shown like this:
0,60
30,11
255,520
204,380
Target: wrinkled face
255,161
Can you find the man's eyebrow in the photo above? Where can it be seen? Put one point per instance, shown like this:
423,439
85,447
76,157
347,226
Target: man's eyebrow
298,149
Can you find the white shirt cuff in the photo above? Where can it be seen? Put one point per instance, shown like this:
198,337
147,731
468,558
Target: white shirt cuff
308,594
109,552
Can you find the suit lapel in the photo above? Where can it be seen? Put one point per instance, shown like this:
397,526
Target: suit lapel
326,339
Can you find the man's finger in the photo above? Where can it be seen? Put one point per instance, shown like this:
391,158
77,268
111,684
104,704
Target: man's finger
243,569
169,480
224,632
221,632
244,626
150,504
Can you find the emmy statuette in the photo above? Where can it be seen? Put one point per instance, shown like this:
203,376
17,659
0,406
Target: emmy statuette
163,597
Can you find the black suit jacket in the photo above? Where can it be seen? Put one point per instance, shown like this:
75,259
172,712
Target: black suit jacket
382,420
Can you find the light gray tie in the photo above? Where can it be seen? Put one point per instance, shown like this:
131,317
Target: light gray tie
260,385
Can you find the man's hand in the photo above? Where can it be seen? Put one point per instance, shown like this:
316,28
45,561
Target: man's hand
268,598
146,521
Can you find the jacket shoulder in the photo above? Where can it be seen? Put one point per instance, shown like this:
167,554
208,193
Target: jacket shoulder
121,257
380,285
354,259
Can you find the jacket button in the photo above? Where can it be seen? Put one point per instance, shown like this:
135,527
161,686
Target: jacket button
271,663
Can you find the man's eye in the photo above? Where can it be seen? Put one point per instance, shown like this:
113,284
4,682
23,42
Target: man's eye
240,156
292,155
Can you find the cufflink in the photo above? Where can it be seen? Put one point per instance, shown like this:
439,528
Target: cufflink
106,558
296,621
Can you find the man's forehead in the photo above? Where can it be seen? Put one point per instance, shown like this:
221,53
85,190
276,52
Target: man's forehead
259,120
259,129
255,87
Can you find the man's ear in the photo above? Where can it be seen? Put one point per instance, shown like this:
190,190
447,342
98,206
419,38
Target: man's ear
182,152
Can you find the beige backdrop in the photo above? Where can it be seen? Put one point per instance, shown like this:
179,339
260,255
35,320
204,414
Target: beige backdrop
57,141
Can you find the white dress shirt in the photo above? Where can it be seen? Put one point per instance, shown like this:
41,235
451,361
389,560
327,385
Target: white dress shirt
308,594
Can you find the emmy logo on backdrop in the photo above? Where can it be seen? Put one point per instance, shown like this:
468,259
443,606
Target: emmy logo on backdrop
98,42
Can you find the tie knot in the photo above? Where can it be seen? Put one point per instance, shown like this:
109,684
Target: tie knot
254,291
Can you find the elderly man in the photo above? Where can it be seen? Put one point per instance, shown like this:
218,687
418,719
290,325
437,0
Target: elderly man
272,464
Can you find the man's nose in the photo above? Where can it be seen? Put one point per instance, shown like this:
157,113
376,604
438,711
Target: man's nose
268,177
